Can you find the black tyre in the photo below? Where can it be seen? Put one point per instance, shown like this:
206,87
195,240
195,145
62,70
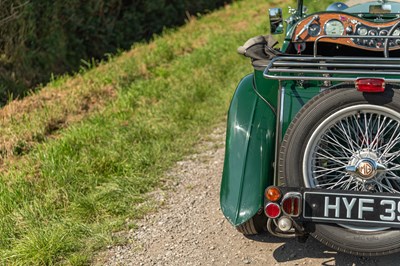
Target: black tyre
338,129
253,226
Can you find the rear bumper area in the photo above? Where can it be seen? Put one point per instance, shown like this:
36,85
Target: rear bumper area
296,207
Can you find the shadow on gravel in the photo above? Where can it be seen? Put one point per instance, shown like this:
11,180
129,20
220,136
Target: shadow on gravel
292,250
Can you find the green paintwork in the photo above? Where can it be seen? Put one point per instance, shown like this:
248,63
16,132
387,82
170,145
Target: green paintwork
294,99
250,144
267,88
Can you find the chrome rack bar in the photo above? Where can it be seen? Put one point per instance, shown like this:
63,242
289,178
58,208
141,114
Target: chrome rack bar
295,67
323,64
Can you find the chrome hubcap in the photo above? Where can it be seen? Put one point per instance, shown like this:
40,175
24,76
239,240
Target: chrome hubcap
365,166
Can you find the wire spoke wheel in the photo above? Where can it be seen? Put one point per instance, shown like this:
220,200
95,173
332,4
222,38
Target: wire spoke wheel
355,149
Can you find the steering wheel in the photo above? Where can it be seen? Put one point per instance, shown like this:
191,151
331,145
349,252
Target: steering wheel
386,46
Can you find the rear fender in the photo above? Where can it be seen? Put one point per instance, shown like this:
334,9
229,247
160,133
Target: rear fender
249,154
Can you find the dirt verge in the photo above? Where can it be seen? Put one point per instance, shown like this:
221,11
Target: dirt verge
189,228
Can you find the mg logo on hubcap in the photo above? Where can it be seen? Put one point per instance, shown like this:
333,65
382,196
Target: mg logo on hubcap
366,169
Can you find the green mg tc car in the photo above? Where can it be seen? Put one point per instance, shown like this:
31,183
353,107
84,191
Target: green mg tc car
313,135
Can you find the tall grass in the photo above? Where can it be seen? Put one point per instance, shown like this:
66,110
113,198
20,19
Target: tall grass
61,199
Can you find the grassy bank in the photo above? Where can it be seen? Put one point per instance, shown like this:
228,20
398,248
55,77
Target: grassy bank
79,157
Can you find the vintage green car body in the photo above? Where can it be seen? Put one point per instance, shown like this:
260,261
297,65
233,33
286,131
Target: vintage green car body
250,138
266,102
250,142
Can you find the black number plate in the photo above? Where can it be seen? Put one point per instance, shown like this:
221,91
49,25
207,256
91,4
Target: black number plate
366,209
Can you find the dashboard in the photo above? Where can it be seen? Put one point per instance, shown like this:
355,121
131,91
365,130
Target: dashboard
364,34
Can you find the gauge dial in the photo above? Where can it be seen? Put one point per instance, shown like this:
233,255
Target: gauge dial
362,31
383,33
396,32
373,33
314,29
334,27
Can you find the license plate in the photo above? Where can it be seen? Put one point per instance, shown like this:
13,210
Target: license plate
363,209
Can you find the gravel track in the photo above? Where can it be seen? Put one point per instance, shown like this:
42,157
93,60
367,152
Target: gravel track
189,228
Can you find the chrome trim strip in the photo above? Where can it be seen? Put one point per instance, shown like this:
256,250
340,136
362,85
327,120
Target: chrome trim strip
318,71
323,64
278,132
324,71
336,58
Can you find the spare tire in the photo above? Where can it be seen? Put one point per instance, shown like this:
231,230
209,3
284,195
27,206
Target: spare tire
335,130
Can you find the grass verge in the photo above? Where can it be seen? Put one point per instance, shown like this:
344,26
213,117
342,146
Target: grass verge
62,196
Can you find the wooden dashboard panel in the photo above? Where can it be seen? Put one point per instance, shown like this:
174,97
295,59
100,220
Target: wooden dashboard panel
350,24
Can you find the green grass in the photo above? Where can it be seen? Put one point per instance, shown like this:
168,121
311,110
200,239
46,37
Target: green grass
77,167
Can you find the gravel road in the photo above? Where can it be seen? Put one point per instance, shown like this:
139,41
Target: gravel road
189,228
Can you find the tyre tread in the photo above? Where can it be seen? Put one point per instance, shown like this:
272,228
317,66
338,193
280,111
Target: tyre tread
352,252
247,228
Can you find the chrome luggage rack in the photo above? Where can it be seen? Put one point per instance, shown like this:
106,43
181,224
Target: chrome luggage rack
329,68
323,68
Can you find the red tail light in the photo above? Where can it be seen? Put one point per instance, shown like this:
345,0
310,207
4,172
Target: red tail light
272,210
291,204
370,84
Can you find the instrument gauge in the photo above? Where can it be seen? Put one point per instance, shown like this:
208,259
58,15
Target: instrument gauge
373,33
362,31
396,32
383,33
334,27
314,30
